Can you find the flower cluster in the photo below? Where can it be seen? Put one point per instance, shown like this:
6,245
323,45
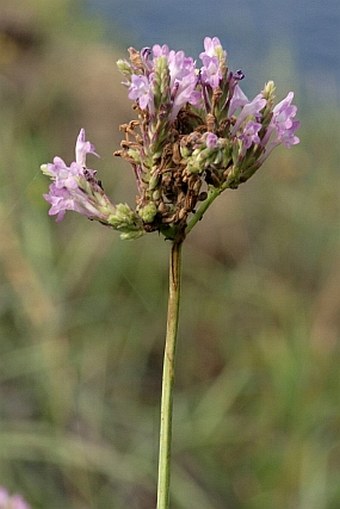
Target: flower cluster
196,135
76,187
11,502
147,89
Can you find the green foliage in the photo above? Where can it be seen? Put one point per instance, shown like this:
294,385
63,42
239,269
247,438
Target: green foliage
82,318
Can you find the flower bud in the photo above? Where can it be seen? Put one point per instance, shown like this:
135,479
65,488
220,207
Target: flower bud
148,212
125,220
124,67
153,182
269,90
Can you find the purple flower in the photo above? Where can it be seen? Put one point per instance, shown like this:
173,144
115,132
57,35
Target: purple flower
180,67
83,148
288,138
11,502
63,175
238,100
75,187
213,59
211,73
183,78
249,135
250,110
282,121
282,127
160,51
139,90
212,47
69,198
211,140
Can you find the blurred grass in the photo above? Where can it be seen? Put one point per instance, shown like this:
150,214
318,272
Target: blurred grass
82,314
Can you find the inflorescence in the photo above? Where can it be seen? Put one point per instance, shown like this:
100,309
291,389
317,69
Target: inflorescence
196,134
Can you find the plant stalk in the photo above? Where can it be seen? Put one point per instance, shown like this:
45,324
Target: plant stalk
212,195
164,458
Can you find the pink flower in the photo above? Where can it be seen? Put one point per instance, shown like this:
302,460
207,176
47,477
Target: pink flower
249,134
12,502
250,110
211,73
213,58
139,90
63,199
212,46
183,80
83,148
282,121
282,127
211,140
160,51
75,187
238,100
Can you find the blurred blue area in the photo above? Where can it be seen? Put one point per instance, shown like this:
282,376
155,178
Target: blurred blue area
254,33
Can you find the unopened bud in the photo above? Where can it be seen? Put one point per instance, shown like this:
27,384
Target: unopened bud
269,90
44,169
148,212
156,195
124,67
153,182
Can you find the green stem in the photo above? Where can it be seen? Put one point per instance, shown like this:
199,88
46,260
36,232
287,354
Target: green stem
212,195
164,460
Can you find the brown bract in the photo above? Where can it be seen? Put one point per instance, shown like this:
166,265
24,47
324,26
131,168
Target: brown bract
169,185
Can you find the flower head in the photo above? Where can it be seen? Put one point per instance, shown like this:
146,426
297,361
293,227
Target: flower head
199,129
75,187
195,132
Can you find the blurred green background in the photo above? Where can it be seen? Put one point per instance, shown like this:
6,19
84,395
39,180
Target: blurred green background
82,314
